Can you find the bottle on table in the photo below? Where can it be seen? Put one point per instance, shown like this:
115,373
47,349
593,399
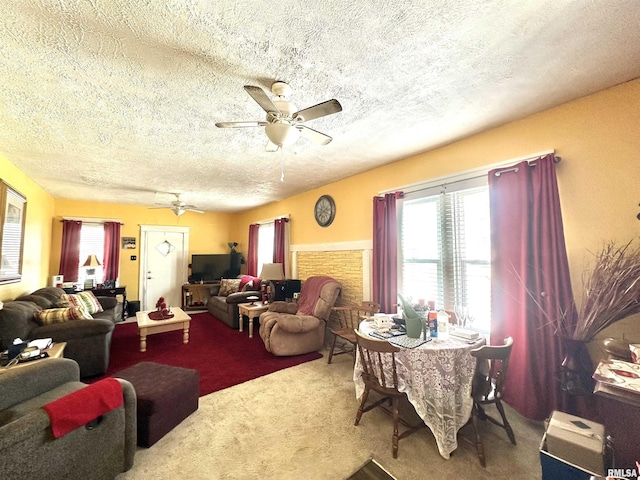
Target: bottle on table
432,319
443,325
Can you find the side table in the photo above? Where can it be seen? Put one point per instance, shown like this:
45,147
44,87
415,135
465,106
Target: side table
56,350
251,310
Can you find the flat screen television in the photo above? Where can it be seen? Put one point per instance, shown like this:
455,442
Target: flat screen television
213,267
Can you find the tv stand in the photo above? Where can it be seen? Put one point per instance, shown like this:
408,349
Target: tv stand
195,296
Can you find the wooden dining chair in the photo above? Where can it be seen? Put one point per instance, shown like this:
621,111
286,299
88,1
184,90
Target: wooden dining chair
349,317
384,381
492,363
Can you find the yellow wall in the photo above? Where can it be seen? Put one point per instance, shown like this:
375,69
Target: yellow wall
208,232
37,237
596,136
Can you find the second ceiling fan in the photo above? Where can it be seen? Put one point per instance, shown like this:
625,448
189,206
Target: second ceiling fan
284,123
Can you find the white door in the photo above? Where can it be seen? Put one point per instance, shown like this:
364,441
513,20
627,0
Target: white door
163,264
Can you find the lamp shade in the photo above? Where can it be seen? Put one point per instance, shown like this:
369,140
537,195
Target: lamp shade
282,134
92,261
272,271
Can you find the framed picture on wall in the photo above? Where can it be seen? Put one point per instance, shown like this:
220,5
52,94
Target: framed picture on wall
13,207
129,243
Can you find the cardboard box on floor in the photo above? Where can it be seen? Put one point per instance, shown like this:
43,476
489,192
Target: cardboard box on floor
578,444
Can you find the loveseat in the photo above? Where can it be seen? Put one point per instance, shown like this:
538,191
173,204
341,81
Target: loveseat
224,298
29,448
88,341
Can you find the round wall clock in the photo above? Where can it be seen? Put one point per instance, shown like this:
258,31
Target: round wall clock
325,211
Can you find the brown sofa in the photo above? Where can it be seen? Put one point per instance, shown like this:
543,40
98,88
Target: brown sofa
225,307
88,341
298,328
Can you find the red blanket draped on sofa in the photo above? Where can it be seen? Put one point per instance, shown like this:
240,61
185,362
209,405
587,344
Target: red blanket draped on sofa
84,405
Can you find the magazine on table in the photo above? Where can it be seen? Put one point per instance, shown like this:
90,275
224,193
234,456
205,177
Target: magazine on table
619,374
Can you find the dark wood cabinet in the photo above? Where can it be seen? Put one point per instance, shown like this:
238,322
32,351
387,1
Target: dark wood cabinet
195,296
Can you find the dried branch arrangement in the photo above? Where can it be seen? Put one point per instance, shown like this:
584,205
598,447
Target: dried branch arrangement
611,290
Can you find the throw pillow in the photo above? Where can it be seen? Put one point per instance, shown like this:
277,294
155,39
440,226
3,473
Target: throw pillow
635,352
228,286
59,315
86,299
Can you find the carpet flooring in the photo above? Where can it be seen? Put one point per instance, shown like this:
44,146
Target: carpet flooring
223,356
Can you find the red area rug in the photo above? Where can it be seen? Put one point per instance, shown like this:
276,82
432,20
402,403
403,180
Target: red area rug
223,356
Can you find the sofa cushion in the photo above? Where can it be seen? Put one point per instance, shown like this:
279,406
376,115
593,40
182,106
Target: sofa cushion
86,299
42,302
59,315
51,293
228,286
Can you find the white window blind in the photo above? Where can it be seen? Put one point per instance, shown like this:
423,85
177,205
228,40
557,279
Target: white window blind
445,248
91,243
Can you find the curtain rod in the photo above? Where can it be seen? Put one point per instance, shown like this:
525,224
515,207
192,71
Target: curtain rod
531,164
271,220
465,175
93,220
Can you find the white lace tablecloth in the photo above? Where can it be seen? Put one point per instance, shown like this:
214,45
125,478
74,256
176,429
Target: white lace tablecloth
437,378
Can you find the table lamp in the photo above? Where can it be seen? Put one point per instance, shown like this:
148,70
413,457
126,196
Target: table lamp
270,272
91,263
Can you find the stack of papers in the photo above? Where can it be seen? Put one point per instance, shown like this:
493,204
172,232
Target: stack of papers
466,334
619,374
41,343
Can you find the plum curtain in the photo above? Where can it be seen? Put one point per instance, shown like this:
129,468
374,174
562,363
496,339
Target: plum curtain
385,251
111,254
70,252
252,250
281,243
530,282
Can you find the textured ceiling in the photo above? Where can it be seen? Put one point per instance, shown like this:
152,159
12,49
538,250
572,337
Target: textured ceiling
125,94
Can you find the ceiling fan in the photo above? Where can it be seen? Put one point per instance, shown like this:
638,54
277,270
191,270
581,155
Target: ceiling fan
284,123
178,207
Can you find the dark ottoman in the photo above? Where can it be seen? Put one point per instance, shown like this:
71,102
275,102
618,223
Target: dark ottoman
166,395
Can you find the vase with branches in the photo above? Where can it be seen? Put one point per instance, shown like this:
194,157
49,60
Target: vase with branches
610,292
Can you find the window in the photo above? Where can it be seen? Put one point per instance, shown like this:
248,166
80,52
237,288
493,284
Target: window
266,238
91,243
445,248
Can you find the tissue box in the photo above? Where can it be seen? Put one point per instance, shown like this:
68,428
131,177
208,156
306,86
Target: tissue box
573,444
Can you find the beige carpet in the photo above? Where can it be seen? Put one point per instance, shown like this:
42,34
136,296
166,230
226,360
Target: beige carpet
298,424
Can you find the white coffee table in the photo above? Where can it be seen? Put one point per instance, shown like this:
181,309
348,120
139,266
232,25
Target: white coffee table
146,326
251,310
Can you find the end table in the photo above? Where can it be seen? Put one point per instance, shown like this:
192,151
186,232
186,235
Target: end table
251,310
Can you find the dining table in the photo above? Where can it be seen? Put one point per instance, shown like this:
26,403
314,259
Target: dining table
437,377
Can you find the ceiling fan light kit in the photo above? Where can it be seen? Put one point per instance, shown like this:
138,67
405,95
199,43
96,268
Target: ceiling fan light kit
178,207
282,134
285,123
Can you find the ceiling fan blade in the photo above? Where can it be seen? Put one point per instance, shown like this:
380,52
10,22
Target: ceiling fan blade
314,135
241,124
322,109
271,147
262,98
192,209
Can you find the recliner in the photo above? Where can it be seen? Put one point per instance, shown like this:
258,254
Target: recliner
298,328
28,448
